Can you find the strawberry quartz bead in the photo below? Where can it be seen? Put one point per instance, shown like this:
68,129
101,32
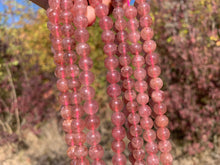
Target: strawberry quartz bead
135,48
66,112
108,36
128,83
120,24
119,159
64,98
83,49
146,123
135,37
80,21
72,70
98,162
68,43
118,146
131,106
139,74
85,63
156,83
71,152
137,142
70,57
86,77
144,111
152,58
92,122
91,107
147,33
135,130
130,12
110,49
165,146
77,125
93,137
113,76
73,83
152,160
101,10
66,17
122,36
166,158
66,4
139,162
75,98
111,63
132,24
96,152
163,133
133,118
77,111
54,4
140,86
116,104
124,60
67,125
79,9
81,151
142,98
118,12
151,148
53,15
138,61
114,90
157,96
126,71
139,154
81,35
67,30
118,118
149,46
161,121
145,21
149,135
105,23
75,138
118,133
87,92
154,71
62,85
143,9
123,48
94,3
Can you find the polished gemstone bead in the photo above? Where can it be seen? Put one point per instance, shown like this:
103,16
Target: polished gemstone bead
142,98
77,125
125,60
66,17
67,125
149,135
132,106
108,36
75,138
134,36
131,158
73,83
151,148
128,83
146,123
116,104
91,107
165,146
122,36
163,133
161,121
130,12
57,44
118,118
152,59
140,74
72,70
79,9
157,96
87,92
137,142
149,46
66,4
144,111
55,30
105,23
135,48
136,130
54,4
111,62
160,109
81,151
86,77
130,95
92,122
81,35
67,30
140,86
85,63
93,137
77,111
156,83
133,118
153,71
80,21
119,159
71,152
166,158
75,98
118,133
62,85
101,10
145,21
143,9
81,161
64,98
53,15
113,76
95,3
96,152
66,112
123,48
83,49
70,57
139,154
118,12
118,146
147,33
138,61
132,24
120,24
114,90
130,146
152,159
126,71
110,49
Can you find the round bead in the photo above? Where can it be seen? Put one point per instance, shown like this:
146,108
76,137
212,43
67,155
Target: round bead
128,83
120,24
80,21
53,15
111,62
81,35
132,106
118,12
118,118
149,46
77,125
152,59
93,137
125,60
163,133
165,146
66,4
81,151
137,142
146,21
144,111
143,9
153,160
72,70
73,83
130,95
64,98
87,92
154,71
92,122
126,71
147,33
119,159
85,63
71,152
96,152
157,96
105,23
67,125
146,123
151,148
114,90
110,49
156,83
149,135
59,58
116,104
77,111
166,158
135,130
98,162
62,85
113,76
66,112
91,107
139,154
135,48
70,57
138,61
83,49
67,30
54,4
66,17
75,98
133,118
118,146
134,37
161,121
160,109
101,10
140,86
139,162
108,36
118,133
86,77
142,98
78,138
132,24
140,74
79,9
95,3
130,12
122,36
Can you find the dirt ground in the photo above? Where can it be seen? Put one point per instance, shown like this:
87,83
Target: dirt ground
50,149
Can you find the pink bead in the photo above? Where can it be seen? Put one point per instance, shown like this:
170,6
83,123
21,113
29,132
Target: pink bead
110,49
135,48
78,138
70,57
96,152
156,83
165,146
131,158
160,109
136,130
86,77
77,125
87,92
67,125
71,152
142,98
144,111
122,36
134,37
161,121
93,137
128,83
163,133
67,30
126,71
132,106
154,71
139,154
149,46
53,15
116,104
140,74
139,162
80,21
62,85
111,62
138,61
149,135
79,9
91,107
143,9
146,21
118,133
72,70
66,17
151,148
166,158
83,49
66,4
98,162
118,118
120,24
64,98
146,123
81,151
132,24
125,60
130,12
147,33
54,4
123,48
130,146
85,63
157,96
66,112
92,122
113,76
137,142
118,146
81,35
101,10
73,83
108,36
118,12
130,95
77,111
55,30
75,98
119,159
140,86
105,23
114,90
153,160
95,3
57,44
152,59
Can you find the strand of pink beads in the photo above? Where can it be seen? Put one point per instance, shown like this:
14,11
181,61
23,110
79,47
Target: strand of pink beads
113,77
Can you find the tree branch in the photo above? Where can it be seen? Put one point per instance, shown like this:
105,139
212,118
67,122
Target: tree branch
42,3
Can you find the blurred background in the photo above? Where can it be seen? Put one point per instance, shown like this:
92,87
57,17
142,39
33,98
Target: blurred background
187,33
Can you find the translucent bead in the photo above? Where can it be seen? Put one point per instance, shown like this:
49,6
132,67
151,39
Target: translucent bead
143,9
149,135
161,121
53,15
135,48
101,10
140,86
139,162
105,23
146,123
137,142
118,146
86,77
72,70
113,76
125,60
117,3
54,4
66,4
98,162
126,71
111,62
75,98
156,83
134,36
131,158
120,24
144,111
160,109
123,48
78,138
62,85
136,130
108,36
130,95
146,21
132,106
147,33
92,122
73,83
57,44
153,160
152,59
96,152
139,154
81,35
149,46
142,98
87,92
66,112
66,17
93,137
153,71
55,30
77,125
116,104
110,49
81,151
114,90
118,118
85,63
157,96
95,3
128,83
67,30
165,146
83,49
71,152
70,57
77,111
64,98
132,24
91,107
130,146
166,158
118,12
140,74
151,148
119,159
79,9
122,36
80,21
133,118
138,61
130,12
118,133
163,133
67,125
